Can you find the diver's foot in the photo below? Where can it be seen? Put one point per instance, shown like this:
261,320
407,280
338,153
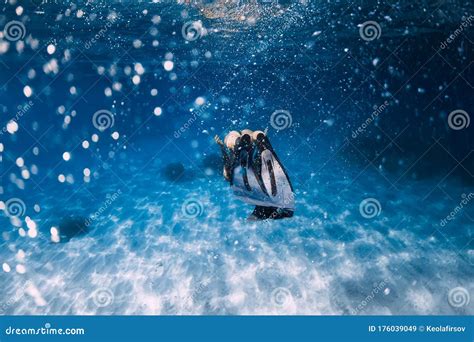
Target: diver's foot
284,213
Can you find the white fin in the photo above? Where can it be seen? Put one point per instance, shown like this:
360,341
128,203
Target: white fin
283,198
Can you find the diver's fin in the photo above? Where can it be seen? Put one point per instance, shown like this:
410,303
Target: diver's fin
244,163
263,182
246,179
258,177
276,179
267,146
257,169
272,177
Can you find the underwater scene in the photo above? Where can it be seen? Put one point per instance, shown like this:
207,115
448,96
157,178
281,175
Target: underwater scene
119,118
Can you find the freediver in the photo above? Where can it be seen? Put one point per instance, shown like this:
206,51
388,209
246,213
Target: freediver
256,175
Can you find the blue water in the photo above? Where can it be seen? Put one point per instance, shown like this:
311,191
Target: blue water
142,222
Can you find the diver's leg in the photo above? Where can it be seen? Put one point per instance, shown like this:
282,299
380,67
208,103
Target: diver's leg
270,213
263,213
284,213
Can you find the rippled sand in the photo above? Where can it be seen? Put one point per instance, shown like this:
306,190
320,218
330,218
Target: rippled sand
185,248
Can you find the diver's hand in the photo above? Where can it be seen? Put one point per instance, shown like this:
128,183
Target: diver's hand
218,140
